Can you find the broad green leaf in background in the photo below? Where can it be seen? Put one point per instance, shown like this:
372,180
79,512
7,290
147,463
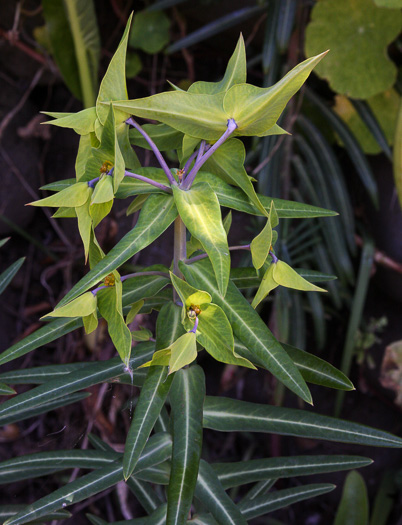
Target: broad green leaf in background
248,326
358,33
150,31
158,213
152,397
8,274
113,85
71,197
186,397
82,306
236,73
256,109
354,506
200,211
228,163
385,109
74,35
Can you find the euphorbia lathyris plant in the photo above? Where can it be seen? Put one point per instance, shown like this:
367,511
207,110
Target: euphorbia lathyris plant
199,302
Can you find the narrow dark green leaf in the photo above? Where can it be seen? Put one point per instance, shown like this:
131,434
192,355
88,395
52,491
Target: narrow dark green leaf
78,490
7,276
215,27
248,327
145,494
282,498
186,398
78,380
368,117
151,400
213,496
7,511
158,213
6,390
158,517
229,415
168,325
242,472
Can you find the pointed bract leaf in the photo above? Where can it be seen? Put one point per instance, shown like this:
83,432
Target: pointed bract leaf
71,197
82,306
261,245
182,352
267,285
284,275
82,122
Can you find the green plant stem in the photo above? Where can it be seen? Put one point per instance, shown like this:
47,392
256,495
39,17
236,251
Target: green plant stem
88,89
180,252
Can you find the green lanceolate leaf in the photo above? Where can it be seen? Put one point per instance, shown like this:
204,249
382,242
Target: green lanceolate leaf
228,163
110,307
113,85
230,415
71,197
284,275
70,383
268,284
261,245
180,353
282,498
236,73
354,506
82,306
200,211
255,110
10,510
249,328
7,276
6,390
186,397
158,213
151,400
242,472
213,497
135,308
231,197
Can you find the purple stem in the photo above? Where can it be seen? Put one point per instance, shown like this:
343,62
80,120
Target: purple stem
154,148
190,160
149,181
194,329
186,184
274,257
203,255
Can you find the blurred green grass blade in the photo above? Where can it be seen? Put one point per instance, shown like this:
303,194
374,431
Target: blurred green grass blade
7,276
215,27
260,488
384,499
145,494
298,324
354,506
359,299
242,472
365,113
318,315
213,496
334,177
324,264
186,398
282,498
152,398
229,415
351,145
78,490
286,18
98,372
334,235
269,47
6,390
3,241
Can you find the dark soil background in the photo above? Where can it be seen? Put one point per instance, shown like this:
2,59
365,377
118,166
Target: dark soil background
33,155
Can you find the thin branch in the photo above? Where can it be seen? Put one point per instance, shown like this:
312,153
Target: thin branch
203,255
148,181
154,148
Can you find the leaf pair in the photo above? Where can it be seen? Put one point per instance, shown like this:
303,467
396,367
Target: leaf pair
281,274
